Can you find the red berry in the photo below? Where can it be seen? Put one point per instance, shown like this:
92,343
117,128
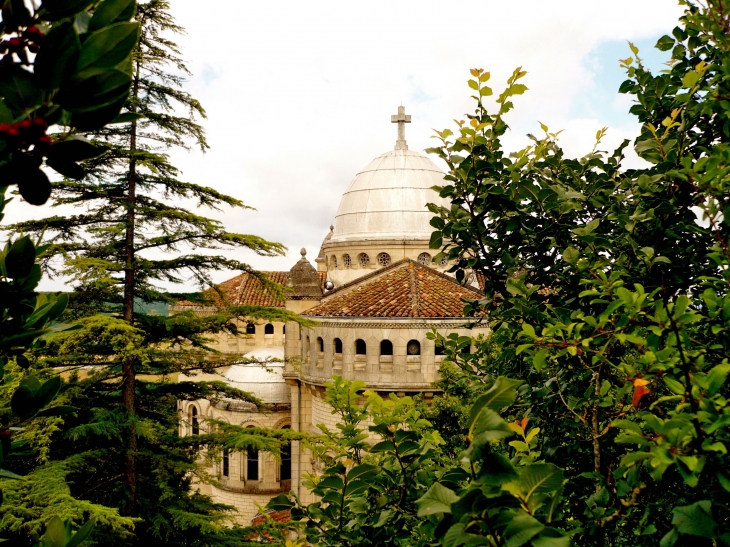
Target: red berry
24,124
39,122
34,48
15,43
34,32
45,140
13,132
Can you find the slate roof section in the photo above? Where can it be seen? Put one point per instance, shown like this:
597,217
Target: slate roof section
246,290
403,289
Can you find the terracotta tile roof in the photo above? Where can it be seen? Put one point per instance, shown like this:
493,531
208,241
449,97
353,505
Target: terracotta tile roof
403,289
246,290
276,516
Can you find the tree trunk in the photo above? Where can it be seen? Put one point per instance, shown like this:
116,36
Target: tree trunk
128,372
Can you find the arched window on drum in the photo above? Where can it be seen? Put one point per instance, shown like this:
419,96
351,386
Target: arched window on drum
251,467
193,420
285,455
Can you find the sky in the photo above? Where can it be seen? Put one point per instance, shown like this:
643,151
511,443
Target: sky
299,94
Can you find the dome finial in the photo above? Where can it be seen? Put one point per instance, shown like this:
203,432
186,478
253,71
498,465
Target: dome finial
303,252
401,119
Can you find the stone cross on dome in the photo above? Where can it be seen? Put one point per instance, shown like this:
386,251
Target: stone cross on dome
401,119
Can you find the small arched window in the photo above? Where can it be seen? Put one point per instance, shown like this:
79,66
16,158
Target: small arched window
424,259
413,347
383,259
346,260
363,259
252,463
360,347
285,466
194,423
320,344
386,347
269,329
226,464
338,346
250,328
333,262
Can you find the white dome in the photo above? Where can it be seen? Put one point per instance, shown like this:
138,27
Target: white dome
387,200
264,381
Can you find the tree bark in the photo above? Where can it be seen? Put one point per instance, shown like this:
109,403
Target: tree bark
128,371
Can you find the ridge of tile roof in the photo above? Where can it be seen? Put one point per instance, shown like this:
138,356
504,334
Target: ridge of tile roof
246,290
403,289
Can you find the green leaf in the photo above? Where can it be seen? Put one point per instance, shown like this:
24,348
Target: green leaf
438,499
75,149
10,475
502,393
55,535
551,541
48,391
363,471
280,503
383,446
670,538
540,478
571,255
82,533
695,519
522,529
383,518
97,89
126,117
497,470
111,11
68,169
58,56
18,89
20,258
60,9
88,121
60,410
436,240
665,43
108,47
23,403
35,188
488,426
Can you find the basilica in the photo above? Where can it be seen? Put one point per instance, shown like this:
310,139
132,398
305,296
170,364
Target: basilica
374,291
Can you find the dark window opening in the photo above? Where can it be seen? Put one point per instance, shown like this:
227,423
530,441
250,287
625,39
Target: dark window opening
283,329
194,421
250,328
285,467
338,345
440,350
226,464
252,464
413,347
466,349
269,329
360,347
386,347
